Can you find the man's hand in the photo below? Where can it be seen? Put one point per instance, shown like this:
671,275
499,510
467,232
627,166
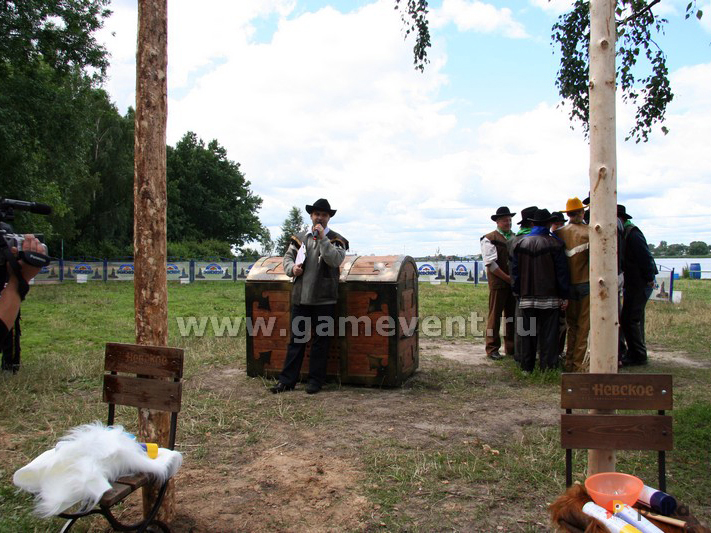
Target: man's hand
298,270
563,305
30,244
318,231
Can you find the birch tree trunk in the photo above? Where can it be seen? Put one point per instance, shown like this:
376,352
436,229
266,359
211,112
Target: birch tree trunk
150,196
604,320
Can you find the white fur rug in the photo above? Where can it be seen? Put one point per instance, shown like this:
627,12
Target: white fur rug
79,469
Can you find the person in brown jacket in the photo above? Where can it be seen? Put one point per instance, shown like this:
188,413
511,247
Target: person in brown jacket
495,254
576,237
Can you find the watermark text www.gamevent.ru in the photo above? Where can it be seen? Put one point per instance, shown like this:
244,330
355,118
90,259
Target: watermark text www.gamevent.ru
384,326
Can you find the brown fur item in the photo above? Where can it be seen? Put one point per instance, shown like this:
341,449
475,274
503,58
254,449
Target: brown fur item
567,512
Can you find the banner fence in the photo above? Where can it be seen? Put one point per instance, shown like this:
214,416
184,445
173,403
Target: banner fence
225,270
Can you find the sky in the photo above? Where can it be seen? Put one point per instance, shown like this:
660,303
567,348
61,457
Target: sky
319,99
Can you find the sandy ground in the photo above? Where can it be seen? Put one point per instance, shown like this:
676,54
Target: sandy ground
301,478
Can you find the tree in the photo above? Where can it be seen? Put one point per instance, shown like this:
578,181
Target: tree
50,63
208,196
675,250
414,18
293,224
106,230
265,239
57,33
603,183
150,196
645,85
698,248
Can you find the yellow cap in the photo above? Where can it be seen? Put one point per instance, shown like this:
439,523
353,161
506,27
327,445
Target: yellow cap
152,449
573,204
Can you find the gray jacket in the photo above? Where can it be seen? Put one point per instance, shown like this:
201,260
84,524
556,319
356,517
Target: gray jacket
318,285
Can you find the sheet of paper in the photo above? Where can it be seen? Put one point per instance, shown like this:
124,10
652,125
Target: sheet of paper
300,255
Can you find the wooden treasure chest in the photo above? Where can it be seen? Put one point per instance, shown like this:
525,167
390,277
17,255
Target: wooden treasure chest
376,324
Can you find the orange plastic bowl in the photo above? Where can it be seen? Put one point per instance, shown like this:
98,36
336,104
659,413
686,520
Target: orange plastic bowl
607,488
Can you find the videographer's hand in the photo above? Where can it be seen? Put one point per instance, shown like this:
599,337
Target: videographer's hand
30,244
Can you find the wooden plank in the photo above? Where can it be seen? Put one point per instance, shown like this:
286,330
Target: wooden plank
142,392
616,391
115,494
262,344
277,296
135,481
616,432
154,361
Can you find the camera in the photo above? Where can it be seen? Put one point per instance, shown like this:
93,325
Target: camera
10,342
11,240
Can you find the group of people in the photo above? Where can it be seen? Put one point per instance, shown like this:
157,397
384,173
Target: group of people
539,282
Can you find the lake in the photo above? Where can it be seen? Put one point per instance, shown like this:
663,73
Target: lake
677,263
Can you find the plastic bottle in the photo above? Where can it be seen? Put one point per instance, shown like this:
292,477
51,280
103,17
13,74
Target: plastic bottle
151,448
660,502
611,522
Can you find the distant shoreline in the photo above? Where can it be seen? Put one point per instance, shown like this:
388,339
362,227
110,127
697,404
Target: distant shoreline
681,257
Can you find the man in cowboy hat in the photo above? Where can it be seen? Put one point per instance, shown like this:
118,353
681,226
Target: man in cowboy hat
496,260
312,260
640,270
558,221
576,236
525,229
540,275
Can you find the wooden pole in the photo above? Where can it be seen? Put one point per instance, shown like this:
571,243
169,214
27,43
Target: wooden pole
150,196
604,320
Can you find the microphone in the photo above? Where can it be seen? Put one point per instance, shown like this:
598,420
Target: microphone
32,207
315,233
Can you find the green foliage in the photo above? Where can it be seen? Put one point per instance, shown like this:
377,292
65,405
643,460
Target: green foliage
49,65
694,249
677,249
698,248
414,18
64,143
44,139
208,196
293,224
645,84
203,250
58,33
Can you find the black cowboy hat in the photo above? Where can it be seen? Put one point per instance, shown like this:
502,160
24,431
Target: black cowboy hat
502,212
622,212
526,214
541,217
558,217
321,205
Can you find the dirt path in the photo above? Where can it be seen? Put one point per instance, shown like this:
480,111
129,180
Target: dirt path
306,469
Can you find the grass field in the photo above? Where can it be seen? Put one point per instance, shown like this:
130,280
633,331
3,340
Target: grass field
441,475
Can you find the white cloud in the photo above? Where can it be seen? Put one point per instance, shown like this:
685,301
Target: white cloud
556,7
706,18
200,35
331,106
479,17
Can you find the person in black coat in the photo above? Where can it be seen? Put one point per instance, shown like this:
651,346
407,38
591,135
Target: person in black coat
639,273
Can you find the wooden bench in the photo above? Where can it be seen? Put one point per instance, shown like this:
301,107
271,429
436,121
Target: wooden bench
616,431
154,383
